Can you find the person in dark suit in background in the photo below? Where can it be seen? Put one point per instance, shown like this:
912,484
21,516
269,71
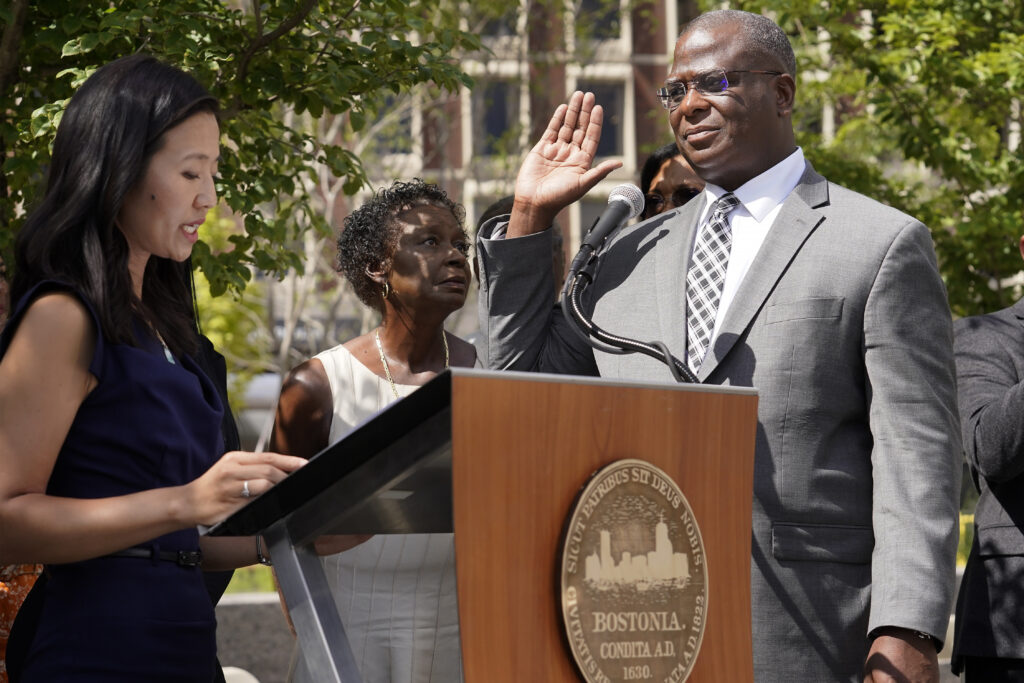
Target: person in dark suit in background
989,641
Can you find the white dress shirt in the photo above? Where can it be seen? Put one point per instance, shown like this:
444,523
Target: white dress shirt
760,202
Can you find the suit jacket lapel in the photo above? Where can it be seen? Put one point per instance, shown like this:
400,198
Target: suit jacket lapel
1018,311
796,221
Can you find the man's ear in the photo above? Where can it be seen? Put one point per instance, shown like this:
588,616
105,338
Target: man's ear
785,94
1020,244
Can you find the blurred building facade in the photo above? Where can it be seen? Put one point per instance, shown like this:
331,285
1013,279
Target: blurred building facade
539,53
472,142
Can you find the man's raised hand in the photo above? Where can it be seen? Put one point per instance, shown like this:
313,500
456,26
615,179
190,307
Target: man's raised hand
557,171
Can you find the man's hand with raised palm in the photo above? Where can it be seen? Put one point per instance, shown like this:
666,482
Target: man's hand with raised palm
557,171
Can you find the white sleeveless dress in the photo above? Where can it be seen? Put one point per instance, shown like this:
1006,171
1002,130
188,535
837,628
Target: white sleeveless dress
395,593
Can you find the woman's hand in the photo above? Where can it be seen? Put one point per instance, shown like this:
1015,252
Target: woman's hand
557,171
233,481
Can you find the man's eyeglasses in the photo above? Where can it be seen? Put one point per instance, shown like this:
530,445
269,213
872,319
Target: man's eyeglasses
713,82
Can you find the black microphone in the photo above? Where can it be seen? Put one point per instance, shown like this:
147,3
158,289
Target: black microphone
624,202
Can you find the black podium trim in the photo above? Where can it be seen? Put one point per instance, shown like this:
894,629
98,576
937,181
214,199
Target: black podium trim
362,469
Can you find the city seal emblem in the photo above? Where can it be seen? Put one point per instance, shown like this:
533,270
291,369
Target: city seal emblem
634,577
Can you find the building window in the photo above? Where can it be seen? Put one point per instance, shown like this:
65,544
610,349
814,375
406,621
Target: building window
598,19
490,24
496,125
612,98
393,131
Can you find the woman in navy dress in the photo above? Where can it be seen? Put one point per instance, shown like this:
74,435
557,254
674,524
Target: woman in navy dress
109,430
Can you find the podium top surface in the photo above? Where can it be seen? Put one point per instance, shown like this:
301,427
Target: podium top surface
392,473
601,381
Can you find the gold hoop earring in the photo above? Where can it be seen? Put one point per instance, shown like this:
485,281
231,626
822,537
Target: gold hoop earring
386,290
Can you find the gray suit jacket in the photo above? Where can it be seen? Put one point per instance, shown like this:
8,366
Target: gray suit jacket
842,325
990,373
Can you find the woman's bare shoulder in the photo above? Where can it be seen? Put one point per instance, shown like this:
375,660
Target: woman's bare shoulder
57,325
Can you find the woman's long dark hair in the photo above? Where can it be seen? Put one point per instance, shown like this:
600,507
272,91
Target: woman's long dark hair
110,130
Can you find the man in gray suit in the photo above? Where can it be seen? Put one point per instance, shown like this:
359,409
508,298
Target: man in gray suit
989,642
829,303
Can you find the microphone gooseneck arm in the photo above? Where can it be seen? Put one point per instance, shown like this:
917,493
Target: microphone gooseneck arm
607,342
581,275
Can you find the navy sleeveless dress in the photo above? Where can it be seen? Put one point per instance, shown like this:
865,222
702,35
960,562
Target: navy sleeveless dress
149,423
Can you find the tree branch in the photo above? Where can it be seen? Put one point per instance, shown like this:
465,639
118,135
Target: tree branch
9,44
263,39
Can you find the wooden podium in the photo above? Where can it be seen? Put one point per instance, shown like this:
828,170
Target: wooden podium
498,458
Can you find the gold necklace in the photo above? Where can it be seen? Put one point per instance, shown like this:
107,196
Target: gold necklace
384,359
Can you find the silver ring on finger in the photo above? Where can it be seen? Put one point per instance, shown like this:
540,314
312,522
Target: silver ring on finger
245,489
